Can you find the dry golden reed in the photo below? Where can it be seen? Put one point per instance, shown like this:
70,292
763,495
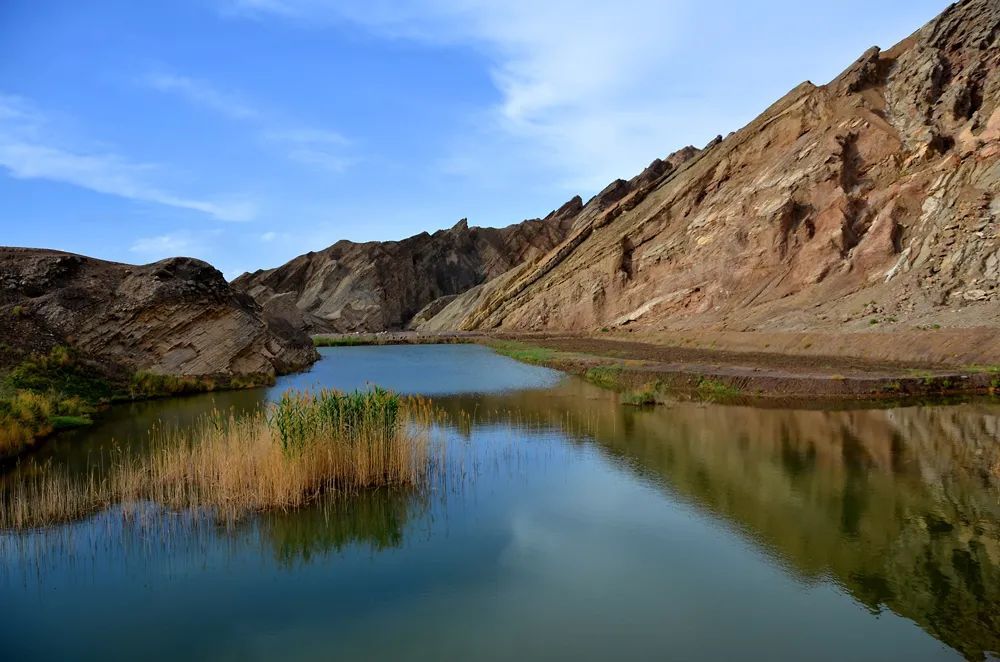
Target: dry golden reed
231,465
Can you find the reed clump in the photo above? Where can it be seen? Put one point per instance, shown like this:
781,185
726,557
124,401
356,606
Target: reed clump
280,457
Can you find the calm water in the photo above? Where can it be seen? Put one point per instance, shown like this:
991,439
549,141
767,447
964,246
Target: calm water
570,527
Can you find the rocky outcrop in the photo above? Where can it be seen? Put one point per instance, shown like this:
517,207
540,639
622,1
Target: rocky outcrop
375,286
868,203
177,317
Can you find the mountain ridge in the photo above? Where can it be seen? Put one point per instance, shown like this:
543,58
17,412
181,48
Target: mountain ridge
866,202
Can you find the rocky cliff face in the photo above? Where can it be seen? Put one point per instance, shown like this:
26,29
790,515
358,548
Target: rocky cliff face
868,202
382,285
177,316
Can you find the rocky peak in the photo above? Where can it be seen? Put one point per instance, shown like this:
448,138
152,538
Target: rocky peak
382,285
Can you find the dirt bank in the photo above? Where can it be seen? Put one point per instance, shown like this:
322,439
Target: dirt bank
859,366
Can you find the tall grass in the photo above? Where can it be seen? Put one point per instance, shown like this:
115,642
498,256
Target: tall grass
229,465
28,415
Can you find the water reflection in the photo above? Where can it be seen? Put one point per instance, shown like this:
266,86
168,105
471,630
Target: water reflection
899,507
374,521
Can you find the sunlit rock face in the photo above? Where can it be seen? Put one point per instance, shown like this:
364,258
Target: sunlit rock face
872,195
375,286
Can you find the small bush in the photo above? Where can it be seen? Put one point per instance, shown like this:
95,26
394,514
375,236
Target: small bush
605,376
646,396
716,388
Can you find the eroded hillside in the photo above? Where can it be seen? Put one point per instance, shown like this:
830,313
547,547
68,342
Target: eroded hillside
382,285
868,201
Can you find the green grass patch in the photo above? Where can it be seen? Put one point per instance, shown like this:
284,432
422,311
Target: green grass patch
145,384
46,393
57,391
605,376
716,388
993,369
523,352
57,372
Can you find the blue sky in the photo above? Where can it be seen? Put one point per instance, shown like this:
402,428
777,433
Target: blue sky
245,132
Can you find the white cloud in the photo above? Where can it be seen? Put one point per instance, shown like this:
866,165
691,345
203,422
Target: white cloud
26,154
161,246
315,147
590,90
269,237
202,93
581,83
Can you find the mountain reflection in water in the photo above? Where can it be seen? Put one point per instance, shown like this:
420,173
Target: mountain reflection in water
898,507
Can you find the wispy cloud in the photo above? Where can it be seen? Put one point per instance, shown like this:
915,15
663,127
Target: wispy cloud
164,245
315,147
26,154
202,93
584,98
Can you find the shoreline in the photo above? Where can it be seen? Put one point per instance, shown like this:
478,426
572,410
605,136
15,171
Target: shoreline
638,367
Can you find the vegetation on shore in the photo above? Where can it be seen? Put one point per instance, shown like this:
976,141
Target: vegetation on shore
643,382
56,391
46,393
389,338
228,465
523,352
343,341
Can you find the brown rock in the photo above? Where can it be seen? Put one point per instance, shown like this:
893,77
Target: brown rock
377,286
176,316
835,196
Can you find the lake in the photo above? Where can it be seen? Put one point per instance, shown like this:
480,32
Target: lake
563,525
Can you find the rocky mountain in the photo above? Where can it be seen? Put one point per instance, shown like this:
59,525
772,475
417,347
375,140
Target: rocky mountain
177,317
375,286
867,203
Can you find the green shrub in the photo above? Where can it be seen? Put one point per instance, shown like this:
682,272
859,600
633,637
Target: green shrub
716,388
646,396
60,373
145,384
605,376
